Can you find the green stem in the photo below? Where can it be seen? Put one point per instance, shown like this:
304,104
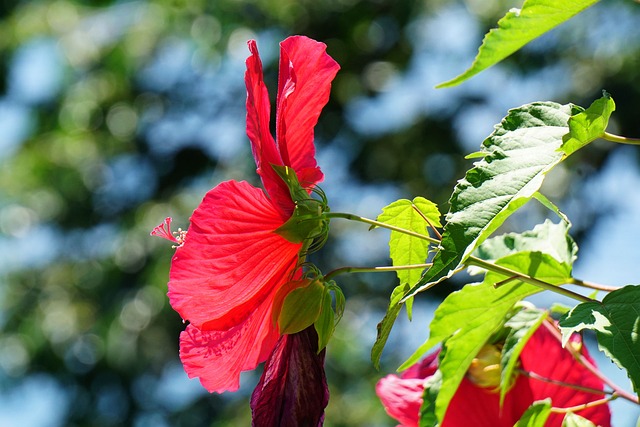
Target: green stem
344,270
620,139
526,278
538,377
577,408
381,224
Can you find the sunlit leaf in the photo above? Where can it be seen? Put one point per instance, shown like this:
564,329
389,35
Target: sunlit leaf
536,415
521,327
414,215
427,409
588,125
467,318
549,238
617,327
517,28
521,150
573,420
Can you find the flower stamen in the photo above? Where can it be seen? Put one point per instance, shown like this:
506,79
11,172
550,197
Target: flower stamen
164,230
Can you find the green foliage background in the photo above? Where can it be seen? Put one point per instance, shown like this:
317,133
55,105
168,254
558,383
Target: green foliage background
133,129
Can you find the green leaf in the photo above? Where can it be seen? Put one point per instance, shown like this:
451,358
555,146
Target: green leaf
385,325
549,238
325,323
573,420
536,415
615,321
521,327
535,264
301,308
588,125
517,28
414,216
427,409
521,150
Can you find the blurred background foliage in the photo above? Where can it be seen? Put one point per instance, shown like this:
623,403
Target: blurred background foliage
116,114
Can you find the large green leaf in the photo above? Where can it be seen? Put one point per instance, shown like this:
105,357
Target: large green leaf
616,321
518,154
517,28
536,415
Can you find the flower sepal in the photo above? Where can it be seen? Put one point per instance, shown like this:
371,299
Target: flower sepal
307,220
300,307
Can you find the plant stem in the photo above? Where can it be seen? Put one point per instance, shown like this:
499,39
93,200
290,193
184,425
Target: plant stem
592,285
382,225
538,377
385,269
587,364
591,404
620,139
512,274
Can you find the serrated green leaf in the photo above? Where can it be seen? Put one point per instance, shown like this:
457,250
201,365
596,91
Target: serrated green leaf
404,249
549,238
385,325
521,327
536,415
521,150
617,325
535,264
517,28
573,420
301,308
588,125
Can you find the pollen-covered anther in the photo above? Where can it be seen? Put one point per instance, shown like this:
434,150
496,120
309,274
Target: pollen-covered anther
179,237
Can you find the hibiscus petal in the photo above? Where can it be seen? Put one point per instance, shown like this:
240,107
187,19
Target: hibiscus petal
292,390
231,259
304,83
218,357
401,398
263,146
544,356
482,406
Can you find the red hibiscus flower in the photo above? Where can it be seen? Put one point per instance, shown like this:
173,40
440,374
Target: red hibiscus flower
543,357
230,264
